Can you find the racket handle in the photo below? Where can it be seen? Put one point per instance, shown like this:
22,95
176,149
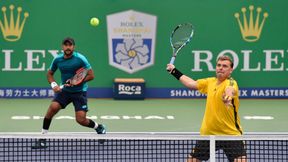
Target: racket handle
172,60
62,86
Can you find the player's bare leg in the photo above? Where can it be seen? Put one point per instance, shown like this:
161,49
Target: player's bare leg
82,120
52,110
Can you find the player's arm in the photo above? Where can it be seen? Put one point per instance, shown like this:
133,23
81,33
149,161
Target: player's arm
90,76
185,80
52,82
50,77
188,82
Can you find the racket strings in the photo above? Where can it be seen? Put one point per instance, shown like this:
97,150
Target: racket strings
78,78
181,35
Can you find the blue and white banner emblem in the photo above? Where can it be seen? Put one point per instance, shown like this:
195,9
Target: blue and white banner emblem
131,39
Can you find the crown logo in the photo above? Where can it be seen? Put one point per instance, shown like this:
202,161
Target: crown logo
251,31
12,30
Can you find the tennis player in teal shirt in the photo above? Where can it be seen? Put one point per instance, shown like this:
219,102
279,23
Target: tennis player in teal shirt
68,62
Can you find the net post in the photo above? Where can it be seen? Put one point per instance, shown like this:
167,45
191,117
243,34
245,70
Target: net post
212,148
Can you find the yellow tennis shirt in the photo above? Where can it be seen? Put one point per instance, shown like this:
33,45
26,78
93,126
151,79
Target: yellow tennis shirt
219,119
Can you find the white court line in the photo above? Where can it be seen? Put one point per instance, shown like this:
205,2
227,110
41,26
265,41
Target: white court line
172,133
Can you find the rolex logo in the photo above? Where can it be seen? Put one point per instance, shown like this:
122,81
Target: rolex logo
12,29
251,29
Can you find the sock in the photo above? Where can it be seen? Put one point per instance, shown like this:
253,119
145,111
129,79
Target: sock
46,125
96,125
92,124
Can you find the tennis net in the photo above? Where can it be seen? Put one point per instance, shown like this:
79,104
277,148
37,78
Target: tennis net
134,147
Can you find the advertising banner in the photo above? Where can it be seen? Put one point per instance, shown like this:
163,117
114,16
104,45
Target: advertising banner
132,41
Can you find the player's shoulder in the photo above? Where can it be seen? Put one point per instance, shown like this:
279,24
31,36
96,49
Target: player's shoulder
82,58
211,79
59,56
208,79
79,55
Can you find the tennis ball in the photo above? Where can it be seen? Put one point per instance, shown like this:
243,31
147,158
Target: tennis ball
94,21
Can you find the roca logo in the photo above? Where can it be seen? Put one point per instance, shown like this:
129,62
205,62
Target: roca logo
128,89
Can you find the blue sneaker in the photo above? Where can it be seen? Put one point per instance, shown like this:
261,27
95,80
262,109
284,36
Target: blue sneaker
101,129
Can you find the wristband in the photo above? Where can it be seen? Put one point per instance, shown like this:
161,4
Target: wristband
53,85
176,73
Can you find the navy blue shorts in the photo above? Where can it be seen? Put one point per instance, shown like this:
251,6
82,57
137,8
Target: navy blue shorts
79,100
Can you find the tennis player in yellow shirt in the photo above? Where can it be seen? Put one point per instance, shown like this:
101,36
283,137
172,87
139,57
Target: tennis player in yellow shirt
221,115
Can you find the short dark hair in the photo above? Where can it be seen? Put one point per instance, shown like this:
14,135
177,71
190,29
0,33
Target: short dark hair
225,57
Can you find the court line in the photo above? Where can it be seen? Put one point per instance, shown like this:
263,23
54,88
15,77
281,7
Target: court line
169,133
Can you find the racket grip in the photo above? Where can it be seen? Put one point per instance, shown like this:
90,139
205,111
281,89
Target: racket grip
172,60
62,86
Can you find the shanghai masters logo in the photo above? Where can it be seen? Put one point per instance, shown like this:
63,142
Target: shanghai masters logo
12,28
251,28
131,37
131,53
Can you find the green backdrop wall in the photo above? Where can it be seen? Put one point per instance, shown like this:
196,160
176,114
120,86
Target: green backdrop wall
261,64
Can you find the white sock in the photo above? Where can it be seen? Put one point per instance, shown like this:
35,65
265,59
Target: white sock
44,131
96,125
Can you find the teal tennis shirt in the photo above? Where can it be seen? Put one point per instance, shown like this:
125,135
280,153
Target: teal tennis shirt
68,68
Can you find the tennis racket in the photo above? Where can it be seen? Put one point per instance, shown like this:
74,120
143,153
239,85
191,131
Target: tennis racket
180,36
77,78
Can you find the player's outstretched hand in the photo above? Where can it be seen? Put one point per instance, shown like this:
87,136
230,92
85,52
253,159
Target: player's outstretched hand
227,100
170,67
228,96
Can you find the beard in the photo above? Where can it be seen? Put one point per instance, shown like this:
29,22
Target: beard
68,52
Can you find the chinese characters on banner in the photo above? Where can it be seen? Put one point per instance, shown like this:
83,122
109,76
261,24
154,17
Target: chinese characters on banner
26,93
